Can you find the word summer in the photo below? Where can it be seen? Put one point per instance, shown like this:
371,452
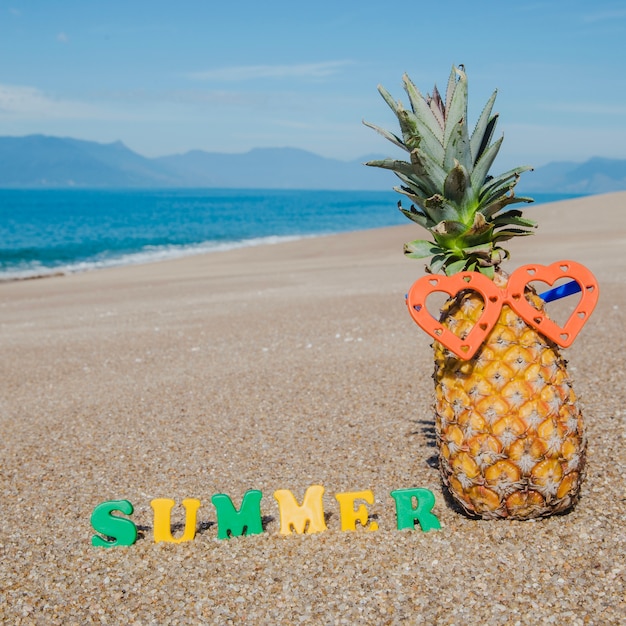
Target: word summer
413,506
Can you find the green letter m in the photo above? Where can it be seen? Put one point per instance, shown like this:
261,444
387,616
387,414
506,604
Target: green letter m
233,523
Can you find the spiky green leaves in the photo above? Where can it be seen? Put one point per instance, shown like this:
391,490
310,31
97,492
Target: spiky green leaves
457,247
447,178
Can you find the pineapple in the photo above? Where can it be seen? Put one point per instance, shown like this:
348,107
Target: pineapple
509,429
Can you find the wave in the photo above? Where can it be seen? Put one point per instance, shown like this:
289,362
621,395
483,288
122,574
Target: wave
148,254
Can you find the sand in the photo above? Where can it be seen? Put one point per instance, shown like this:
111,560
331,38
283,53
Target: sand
281,367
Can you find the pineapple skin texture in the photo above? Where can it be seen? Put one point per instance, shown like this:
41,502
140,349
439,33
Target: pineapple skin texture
510,433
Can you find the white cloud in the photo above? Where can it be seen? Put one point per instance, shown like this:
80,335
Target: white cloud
18,101
218,98
250,72
63,38
603,16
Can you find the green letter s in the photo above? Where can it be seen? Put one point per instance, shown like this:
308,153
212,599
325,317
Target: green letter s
122,531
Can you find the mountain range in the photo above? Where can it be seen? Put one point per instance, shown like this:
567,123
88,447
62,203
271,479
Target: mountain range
39,161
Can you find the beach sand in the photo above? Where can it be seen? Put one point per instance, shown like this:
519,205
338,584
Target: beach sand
281,367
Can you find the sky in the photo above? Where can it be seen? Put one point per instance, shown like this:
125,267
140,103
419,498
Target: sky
225,76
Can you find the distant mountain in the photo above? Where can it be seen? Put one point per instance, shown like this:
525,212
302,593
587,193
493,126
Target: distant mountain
278,168
54,162
596,175
39,161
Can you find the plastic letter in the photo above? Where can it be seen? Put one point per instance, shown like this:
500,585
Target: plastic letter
122,531
407,514
163,520
311,511
233,523
349,515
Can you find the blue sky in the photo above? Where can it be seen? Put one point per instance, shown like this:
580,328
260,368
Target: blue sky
167,77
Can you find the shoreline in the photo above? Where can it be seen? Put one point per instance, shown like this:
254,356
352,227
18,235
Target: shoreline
159,253
144,257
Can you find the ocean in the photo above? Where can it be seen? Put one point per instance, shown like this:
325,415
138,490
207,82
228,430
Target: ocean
45,232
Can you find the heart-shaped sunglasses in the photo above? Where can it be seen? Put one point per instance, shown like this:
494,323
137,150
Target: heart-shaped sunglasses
513,295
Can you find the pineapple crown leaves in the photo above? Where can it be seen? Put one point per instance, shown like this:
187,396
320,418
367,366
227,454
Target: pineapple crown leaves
446,177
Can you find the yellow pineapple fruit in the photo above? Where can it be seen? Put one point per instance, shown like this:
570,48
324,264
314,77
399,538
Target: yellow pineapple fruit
508,426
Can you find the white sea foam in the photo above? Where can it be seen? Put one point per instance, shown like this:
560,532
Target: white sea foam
149,254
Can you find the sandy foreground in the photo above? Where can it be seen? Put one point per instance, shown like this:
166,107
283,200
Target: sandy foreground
280,367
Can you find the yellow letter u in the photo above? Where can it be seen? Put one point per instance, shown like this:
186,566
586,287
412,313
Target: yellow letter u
163,519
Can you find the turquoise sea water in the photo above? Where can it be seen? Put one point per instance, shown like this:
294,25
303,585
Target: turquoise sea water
49,231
